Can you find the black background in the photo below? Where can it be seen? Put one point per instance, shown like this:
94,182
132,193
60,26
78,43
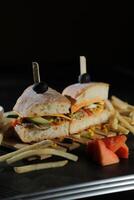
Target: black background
55,34
61,30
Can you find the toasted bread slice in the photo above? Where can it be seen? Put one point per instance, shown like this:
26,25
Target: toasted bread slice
85,122
34,134
86,94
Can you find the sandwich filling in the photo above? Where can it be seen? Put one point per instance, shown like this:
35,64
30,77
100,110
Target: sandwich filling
41,123
86,103
87,109
35,129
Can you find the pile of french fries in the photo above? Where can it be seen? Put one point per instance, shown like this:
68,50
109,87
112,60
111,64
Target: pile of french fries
44,150
122,116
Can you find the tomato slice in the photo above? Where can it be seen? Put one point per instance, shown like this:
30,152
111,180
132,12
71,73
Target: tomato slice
108,150
123,151
15,122
101,154
115,142
88,111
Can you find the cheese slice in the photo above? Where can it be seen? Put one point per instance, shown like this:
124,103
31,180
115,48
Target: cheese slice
84,103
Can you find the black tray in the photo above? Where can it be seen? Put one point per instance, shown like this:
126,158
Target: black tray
76,180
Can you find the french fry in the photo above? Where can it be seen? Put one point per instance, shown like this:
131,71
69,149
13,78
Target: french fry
1,138
100,132
45,143
122,130
132,117
98,136
108,134
119,103
132,123
128,119
125,123
109,106
35,167
111,134
113,122
80,140
38,152
41,157
132,114
123,112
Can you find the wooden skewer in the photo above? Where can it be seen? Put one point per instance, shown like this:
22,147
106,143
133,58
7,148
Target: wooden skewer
36,72
83,67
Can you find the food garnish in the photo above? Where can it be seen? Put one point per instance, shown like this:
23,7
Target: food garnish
84,77
40,87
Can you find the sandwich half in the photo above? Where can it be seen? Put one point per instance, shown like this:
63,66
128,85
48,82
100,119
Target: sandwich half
41,116
88,105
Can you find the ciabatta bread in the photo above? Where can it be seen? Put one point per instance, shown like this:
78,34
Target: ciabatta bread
31,104
35,134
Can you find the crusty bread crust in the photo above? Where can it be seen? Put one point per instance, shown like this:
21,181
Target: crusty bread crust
79,125
77,90
31,104
29,135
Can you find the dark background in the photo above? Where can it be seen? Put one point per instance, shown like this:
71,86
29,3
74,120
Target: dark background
55,35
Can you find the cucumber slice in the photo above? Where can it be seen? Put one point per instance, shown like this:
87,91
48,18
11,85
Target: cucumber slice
39,120
11,114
